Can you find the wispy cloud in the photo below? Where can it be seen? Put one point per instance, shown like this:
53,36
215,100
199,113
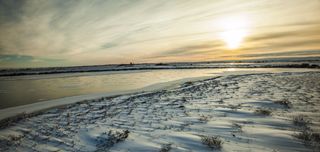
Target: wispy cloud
202,48
307,30
283,54
84,32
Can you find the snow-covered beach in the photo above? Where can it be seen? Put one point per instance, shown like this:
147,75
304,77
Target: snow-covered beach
269,111
159,75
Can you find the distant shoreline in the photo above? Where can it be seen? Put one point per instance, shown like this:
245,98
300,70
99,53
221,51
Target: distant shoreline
159,66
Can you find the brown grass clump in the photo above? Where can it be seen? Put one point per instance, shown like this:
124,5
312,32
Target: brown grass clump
113,137
263,112
212,142
286,103
204,118
300,121
237,127
306,134
121,136
165,148
309,138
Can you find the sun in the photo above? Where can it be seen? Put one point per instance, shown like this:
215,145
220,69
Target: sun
234,30
233,38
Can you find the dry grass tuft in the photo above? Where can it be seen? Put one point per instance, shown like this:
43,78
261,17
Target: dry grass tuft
165,148
263,112
212,142
108,139
309,137
300,121
237,127
121,136
286,103
306,134
204,118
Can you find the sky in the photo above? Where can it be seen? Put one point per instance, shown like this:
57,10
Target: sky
41,33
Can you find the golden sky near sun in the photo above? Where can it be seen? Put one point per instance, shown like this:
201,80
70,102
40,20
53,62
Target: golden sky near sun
60,33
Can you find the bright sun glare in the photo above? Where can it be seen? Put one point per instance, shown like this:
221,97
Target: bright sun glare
234,31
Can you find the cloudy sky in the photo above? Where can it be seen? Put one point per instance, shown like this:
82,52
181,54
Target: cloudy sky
63,33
